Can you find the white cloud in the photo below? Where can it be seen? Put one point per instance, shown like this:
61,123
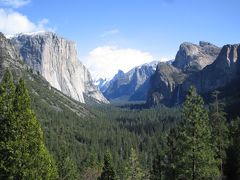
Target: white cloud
105,61
12,22
110,32
14,3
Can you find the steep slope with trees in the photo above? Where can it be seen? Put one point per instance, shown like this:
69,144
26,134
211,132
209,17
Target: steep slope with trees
23,153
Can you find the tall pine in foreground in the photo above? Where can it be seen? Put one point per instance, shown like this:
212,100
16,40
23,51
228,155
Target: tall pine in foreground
22,151
232,166
195,155
134,171
158,168
108,172
8,127
220,132
171,153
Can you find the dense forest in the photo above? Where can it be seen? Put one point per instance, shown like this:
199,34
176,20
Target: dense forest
192,141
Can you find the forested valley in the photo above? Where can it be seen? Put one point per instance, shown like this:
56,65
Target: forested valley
192,141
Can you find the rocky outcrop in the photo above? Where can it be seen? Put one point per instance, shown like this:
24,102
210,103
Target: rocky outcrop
222,71
55,58
131,86
192,57
9,58
163,83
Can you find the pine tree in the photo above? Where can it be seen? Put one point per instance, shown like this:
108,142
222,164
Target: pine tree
122,170
220,130
195,155
23,153
92,168
69,170
134,171
108,172
35,158
170,171
7,126
158,168
232,166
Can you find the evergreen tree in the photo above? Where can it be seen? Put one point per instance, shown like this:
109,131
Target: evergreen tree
23,153
108,172
92,168
232,167
7,127
159,163
158,168
195,155
170,171
34,156
122,170
134,171
220,131
69,170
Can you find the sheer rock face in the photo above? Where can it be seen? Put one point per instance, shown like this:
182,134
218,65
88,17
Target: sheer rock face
55,58
192,57
163,84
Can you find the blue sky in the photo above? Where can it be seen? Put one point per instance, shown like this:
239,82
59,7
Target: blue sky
154,28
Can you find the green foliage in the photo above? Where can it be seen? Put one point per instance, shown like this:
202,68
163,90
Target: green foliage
8,127
195,157
158,167
78,136
133,169
69,170
108,172
232,167
220,132
23,153
92,168
171,152
87,132
84,131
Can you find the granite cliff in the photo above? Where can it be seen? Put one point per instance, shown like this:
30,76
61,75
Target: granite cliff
192,57
44,97
55,58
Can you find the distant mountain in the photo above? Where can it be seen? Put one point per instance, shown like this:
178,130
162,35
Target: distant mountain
130,86
55,58
205,66
102,84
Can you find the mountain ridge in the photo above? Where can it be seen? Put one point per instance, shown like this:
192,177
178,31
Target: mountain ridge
132,85
223,69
